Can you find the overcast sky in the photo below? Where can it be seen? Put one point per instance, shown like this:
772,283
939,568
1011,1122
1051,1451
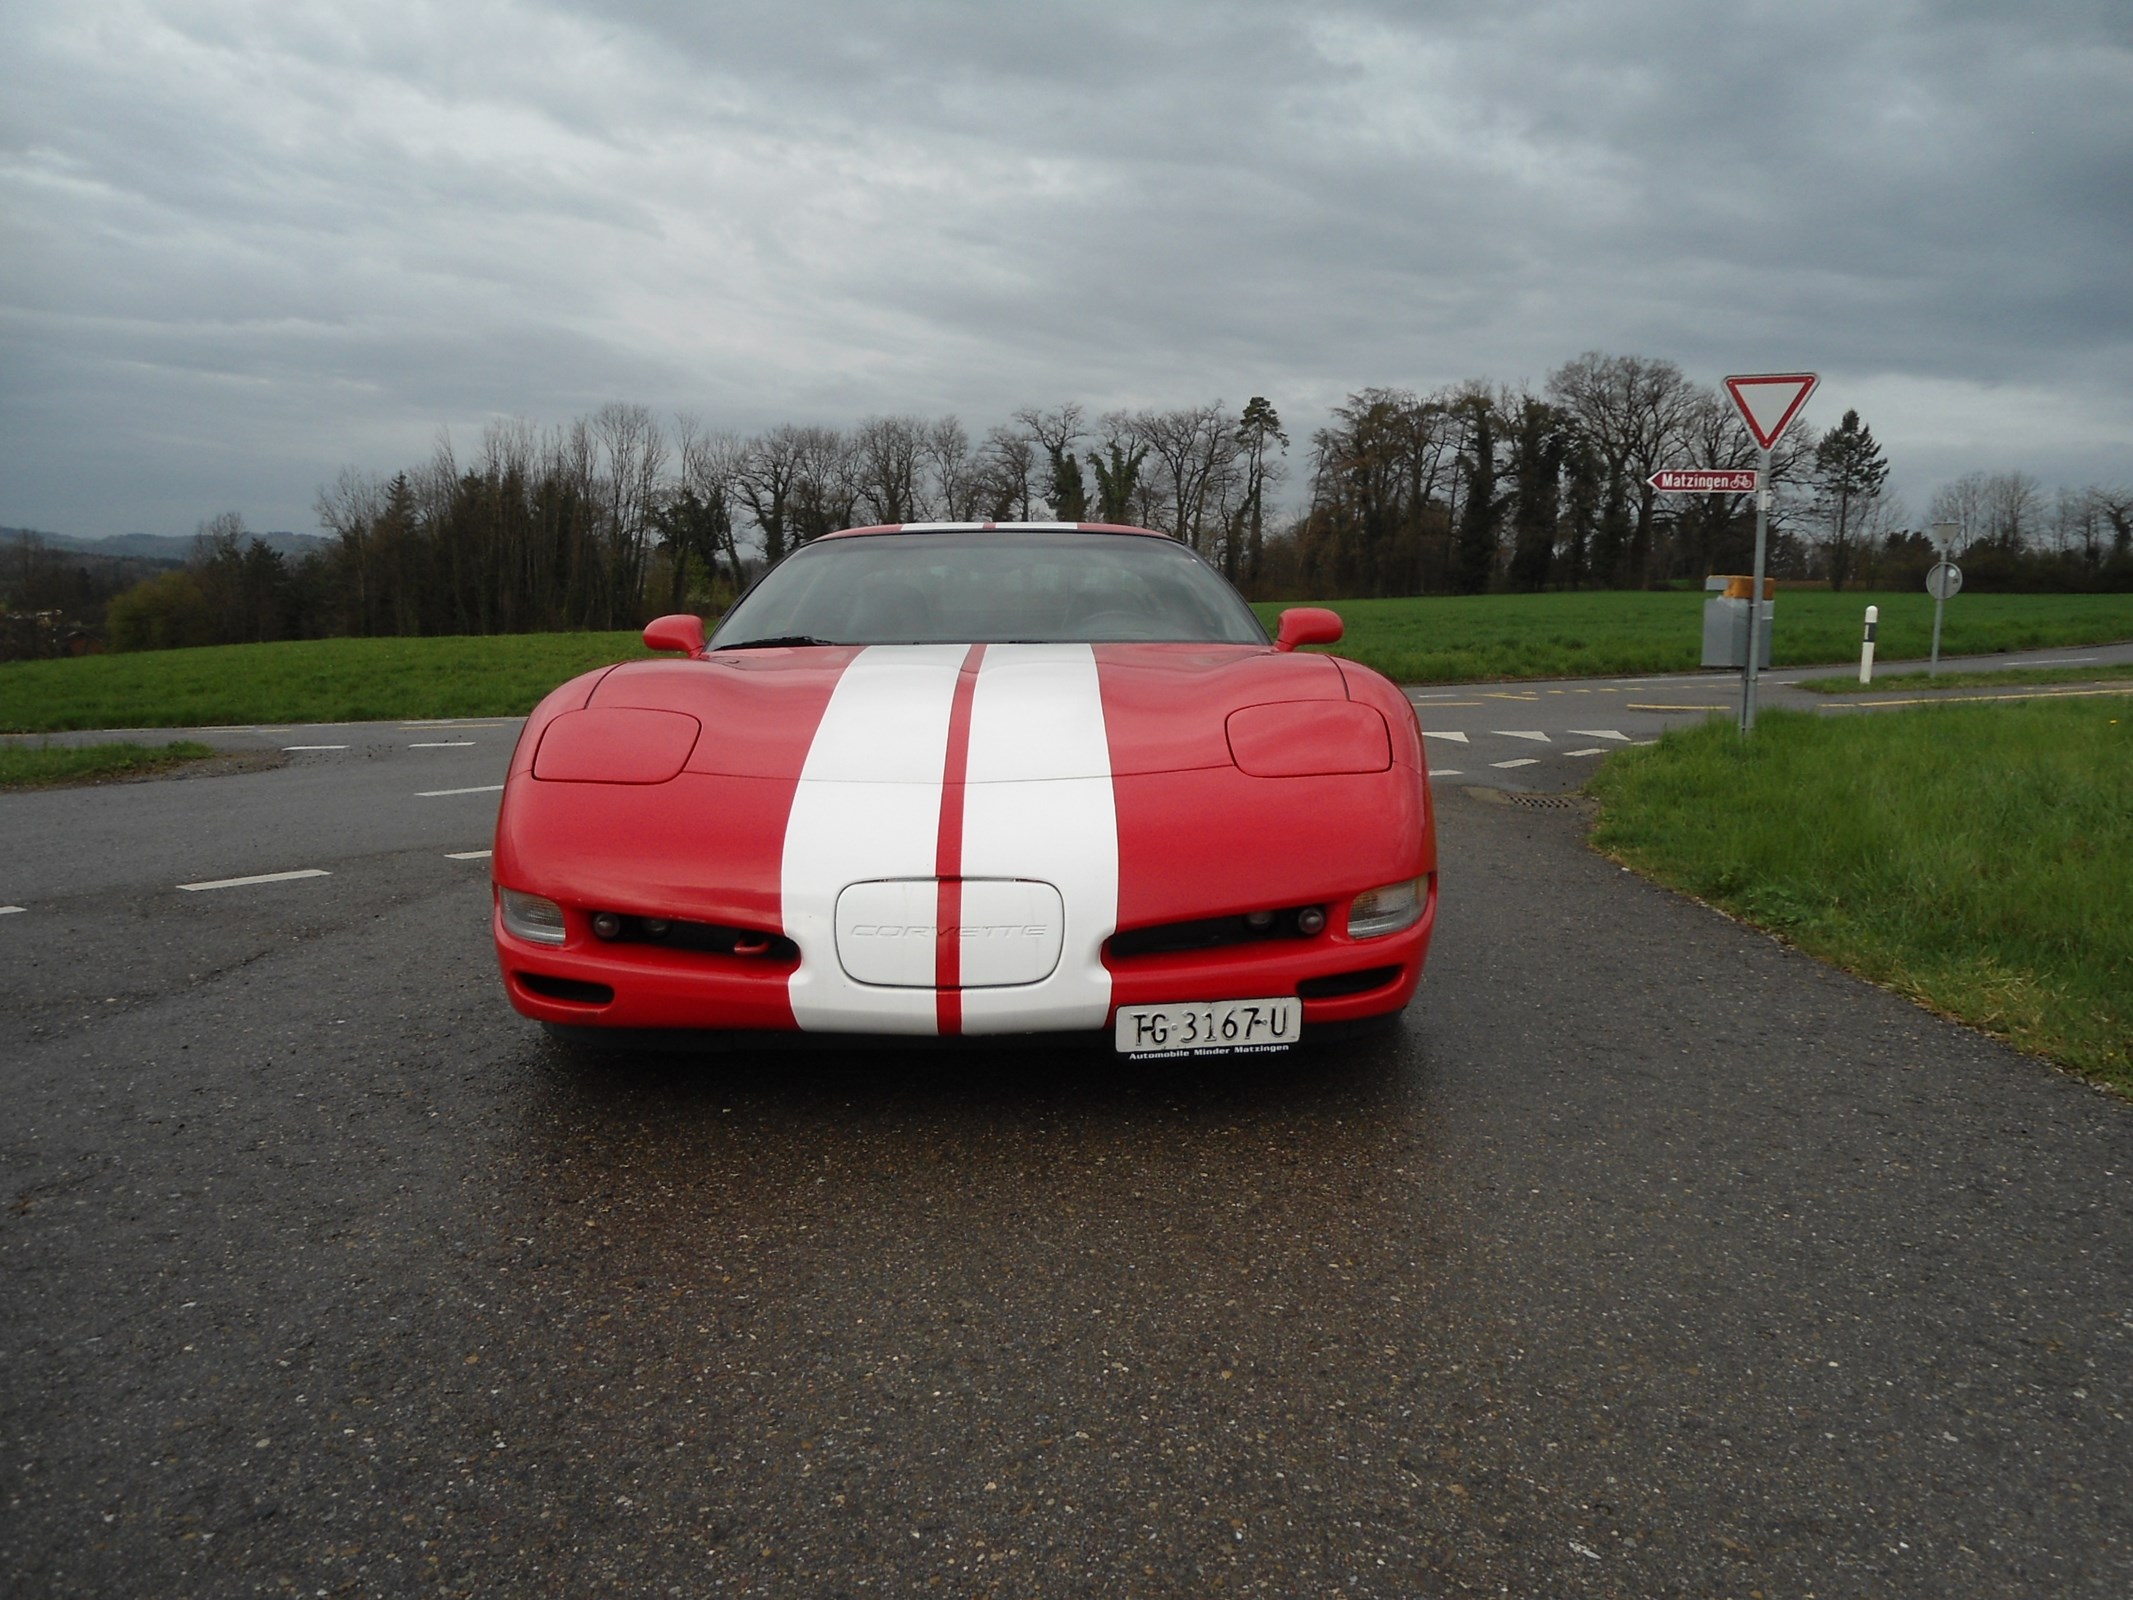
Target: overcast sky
245,243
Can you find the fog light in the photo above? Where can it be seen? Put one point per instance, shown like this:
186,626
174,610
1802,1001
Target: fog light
1385,910
654,927
607,925
1259,921
1311,920
528,916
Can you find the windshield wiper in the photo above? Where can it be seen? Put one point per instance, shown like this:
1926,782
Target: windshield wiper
779,642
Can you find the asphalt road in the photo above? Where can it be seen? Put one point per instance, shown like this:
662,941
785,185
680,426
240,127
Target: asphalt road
1546,736
1646,1257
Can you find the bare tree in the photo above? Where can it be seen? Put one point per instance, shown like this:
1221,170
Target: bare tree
770,465
350,509
1117,469
1006,466
696,519
825,487
1195,449
1058,432
635,455
887,453
1634,412
1997,510
951,478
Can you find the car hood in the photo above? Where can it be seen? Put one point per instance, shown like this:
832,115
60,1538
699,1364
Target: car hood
1165,707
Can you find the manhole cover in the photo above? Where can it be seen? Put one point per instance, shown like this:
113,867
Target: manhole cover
1531,802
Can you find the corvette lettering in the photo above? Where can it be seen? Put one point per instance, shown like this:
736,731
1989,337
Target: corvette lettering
879,930
966,771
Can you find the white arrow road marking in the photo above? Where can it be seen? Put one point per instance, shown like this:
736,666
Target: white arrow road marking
1522,761
1432,733
1522,733
1599,733
9,911
260,877
435,794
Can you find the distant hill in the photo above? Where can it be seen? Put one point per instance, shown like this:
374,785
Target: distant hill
161,547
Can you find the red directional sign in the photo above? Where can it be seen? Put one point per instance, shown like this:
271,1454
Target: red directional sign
1769,401
1704,480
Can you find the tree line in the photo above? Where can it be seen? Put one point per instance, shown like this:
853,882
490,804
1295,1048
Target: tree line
619,515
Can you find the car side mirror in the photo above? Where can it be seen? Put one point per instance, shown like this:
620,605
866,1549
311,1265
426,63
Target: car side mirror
681,631
1308,625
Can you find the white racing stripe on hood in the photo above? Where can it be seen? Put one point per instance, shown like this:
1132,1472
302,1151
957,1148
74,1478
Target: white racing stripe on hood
868,806
1039,805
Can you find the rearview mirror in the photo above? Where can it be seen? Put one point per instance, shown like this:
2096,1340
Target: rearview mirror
681,632
1307,625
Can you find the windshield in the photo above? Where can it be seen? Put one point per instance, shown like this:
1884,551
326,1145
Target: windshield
990,588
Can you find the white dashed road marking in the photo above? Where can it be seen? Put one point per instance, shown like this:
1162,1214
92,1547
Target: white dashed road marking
442,744
466,855
9,911
1596,750
1522,761
1446,772
261,877
437,794
288,747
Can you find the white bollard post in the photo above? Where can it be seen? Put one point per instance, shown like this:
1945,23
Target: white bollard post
1866,649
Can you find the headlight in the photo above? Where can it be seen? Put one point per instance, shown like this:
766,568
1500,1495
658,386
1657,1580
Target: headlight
530,917
1385,910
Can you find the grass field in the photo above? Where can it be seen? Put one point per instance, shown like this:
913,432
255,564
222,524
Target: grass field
313,680
2008,677
1978,858
1459,639
39,766
1433,639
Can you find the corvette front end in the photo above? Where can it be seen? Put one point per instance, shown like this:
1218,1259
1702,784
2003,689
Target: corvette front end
951,838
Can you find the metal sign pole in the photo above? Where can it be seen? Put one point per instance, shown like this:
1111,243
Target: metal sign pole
1755,600
1943,540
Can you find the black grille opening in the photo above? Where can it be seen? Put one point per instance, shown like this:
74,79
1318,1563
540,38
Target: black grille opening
573,990
1206,933
1340,983
706,936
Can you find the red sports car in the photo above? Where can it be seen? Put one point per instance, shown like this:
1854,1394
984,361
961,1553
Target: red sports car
973,779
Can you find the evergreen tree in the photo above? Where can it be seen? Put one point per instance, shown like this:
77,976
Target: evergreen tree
1848,474
1474,555
1259,427
1536,473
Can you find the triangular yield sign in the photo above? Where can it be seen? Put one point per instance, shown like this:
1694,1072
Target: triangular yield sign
1769,401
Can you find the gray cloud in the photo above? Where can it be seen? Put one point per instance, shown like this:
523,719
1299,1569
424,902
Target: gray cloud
248,243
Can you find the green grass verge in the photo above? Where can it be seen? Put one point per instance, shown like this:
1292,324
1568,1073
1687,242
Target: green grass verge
1463,639
1978,858
1432,639
39,766
2003,677
312,680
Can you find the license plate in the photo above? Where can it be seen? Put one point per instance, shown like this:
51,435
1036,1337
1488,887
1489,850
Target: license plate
1211,1027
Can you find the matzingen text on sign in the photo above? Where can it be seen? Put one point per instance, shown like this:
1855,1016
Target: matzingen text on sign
1705,480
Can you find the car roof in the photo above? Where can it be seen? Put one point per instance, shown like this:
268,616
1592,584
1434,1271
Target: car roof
996,527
